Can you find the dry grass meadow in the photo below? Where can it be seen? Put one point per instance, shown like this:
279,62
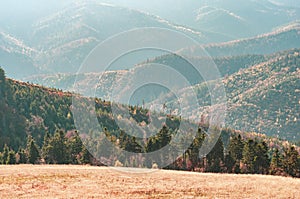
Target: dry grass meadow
53,181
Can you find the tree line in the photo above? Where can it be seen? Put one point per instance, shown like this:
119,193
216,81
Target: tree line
230,154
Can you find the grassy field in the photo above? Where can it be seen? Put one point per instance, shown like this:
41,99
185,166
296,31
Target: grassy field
45,181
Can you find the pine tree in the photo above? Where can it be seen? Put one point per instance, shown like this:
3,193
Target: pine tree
249,156
262,162
215,157
5,154
235,149
85,156
11,159
229,162
291,164
32,150
21,156
75,147
194,149
56,152
45,147
276,166
236,146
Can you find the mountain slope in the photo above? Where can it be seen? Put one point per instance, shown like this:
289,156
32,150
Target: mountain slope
17,55
229,17
283,38
226,66
264,97
61,41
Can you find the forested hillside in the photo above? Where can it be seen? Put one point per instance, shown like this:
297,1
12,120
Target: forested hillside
264,97
37,127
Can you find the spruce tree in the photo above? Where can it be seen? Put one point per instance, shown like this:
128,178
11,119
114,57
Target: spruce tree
276,166
74,147
215,157
291,163
249,156
262,162
56,152
236,146
229,162
32,150
85,156
11,159
5,154
21,156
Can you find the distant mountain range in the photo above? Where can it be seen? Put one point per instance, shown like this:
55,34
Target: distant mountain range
58,41
229,17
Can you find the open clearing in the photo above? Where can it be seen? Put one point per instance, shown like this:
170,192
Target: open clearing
55,181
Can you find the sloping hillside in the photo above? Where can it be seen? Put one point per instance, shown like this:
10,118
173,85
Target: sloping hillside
283,38
264,97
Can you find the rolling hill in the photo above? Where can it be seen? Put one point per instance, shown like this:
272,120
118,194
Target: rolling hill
262,98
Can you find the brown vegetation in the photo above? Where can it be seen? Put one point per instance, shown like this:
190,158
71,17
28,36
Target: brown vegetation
52,181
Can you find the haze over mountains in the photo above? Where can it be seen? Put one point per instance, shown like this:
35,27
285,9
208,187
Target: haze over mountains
230,17
56,38
249,41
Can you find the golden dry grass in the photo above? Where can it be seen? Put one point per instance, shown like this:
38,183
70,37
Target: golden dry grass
45,181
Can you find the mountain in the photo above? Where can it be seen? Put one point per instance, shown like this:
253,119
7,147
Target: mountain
29,109
59,42
262,91
226,66
60,39
283,38
262,98
229,17
17,55
35,112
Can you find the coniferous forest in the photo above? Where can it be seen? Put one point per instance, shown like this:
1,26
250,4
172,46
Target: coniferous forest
37,127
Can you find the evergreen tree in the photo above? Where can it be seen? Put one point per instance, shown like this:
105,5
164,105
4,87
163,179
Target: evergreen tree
194,149
249,156
236,146
33,154
291,163
5,154
85,156
45,146
75,147
276,166
56,152
21,156
11,159
215,157
262,162
229,162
